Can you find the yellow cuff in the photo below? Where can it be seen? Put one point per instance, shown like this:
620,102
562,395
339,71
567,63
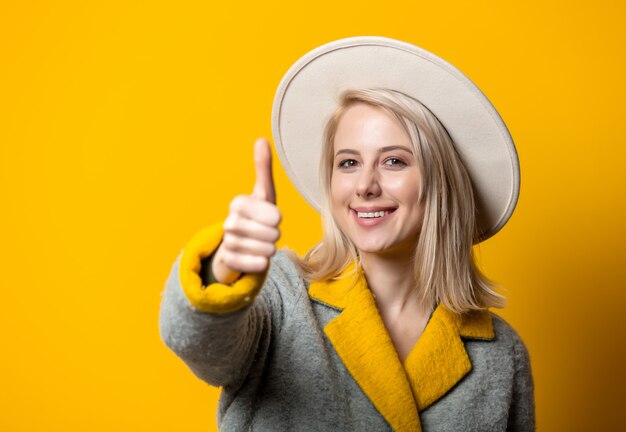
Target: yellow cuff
215,298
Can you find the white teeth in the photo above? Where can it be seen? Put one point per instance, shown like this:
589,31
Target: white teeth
372,214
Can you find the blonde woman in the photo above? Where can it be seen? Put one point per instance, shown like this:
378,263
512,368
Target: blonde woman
384,324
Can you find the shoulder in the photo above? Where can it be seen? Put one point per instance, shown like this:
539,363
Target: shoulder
504,331
502,360
522,405
507,337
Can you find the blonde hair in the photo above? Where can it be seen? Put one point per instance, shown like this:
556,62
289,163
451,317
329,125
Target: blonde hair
445,268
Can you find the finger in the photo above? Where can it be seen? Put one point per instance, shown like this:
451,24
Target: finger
264,182
244,227
248,246
245,263
256,209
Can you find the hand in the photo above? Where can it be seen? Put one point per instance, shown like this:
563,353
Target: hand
251,228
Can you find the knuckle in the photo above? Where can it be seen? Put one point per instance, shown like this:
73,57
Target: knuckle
262,263
233,262
255,264
247,266
229,223
271,215
237,203
233,222
279,216
265,250
229,241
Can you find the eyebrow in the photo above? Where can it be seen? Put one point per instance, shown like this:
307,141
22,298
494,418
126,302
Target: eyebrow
381,150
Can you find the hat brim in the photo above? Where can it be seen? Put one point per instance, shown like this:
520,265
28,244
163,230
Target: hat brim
309,93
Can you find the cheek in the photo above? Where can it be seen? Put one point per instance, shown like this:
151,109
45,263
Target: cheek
404,189
339,190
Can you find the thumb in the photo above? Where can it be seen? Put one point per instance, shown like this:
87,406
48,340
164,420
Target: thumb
264,183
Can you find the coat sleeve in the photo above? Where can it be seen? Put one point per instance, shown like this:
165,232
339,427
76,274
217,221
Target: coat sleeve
217,330
522,409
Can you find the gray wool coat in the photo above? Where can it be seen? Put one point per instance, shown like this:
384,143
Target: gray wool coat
291,355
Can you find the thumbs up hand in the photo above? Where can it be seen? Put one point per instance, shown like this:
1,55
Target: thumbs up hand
251,228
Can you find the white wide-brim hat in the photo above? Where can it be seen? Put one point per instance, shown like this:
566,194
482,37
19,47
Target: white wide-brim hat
309,94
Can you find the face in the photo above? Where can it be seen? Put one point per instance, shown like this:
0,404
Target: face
375,183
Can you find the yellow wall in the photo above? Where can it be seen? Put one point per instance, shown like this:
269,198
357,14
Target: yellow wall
127,126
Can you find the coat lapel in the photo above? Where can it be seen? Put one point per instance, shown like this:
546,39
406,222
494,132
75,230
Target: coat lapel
361,340
437,362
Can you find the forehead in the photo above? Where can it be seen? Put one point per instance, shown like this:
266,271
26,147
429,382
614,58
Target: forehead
364,127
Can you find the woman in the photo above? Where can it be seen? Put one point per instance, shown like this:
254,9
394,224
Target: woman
384,324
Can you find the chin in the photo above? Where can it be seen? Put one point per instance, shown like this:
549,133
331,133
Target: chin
372,248
383,248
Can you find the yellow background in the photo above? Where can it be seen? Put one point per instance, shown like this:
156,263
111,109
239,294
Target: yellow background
127,126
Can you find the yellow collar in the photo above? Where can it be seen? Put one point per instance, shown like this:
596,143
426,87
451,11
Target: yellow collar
399,391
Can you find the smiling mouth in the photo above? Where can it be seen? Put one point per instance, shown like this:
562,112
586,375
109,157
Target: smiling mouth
373,215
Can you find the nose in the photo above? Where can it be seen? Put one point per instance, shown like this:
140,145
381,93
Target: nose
368,184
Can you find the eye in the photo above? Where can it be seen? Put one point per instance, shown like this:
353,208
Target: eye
395,162
347,163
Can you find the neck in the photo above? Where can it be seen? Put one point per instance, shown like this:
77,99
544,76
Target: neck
391,278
